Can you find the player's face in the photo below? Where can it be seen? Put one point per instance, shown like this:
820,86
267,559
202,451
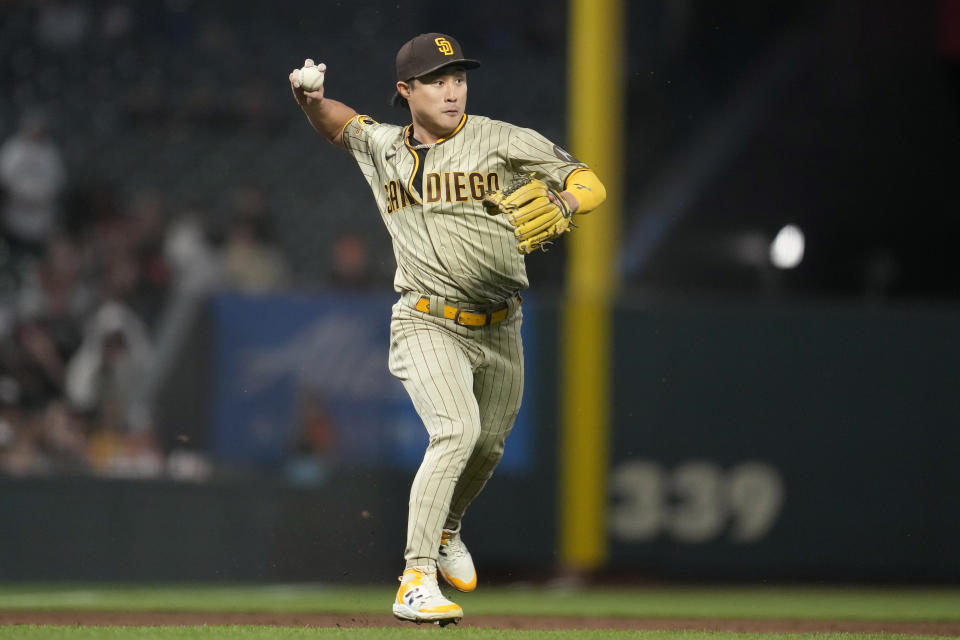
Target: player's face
439,99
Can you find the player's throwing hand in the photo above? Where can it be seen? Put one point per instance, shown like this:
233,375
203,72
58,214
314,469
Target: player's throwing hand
307,82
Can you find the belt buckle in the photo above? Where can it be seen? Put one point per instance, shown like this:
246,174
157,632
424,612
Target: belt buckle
460,309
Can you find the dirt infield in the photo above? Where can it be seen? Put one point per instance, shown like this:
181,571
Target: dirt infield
98,618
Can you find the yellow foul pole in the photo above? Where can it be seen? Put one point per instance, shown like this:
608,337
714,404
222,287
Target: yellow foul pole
595,100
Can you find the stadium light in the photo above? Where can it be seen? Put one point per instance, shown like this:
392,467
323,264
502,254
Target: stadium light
786,250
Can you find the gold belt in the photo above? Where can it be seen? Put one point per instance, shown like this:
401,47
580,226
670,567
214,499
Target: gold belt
468,315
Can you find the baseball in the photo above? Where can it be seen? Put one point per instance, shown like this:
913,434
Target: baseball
311,78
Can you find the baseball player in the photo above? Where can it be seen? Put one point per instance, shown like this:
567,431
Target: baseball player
464,198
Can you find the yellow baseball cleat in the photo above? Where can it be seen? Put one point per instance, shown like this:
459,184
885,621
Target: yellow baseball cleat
455,562
419,600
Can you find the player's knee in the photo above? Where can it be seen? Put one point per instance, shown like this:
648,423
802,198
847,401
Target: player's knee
489,448
461,438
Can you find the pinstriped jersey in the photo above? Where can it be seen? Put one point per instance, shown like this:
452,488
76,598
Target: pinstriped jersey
444,242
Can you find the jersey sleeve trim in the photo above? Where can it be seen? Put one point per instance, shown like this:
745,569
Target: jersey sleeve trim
347,123
573,172
362,120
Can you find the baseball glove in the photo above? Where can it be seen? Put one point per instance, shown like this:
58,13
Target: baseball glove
537,218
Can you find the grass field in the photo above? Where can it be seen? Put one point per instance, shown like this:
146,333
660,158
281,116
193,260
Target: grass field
875,605
274,633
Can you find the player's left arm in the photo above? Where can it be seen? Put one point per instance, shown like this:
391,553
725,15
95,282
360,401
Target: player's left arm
530,152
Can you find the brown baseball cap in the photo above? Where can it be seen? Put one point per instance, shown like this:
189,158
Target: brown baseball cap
428,52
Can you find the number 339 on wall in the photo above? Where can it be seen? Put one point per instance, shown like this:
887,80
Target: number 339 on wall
694,502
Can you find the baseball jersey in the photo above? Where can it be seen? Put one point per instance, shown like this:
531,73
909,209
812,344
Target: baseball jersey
444,242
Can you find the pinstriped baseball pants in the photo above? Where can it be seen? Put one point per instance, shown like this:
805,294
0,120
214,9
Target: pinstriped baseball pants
466,384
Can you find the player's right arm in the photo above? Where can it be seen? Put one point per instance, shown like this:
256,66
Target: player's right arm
326,116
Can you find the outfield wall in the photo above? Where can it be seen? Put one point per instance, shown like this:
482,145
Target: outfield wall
749,442
810,441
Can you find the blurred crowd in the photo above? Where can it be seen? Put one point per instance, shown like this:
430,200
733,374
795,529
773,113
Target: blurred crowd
85,276
73,338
